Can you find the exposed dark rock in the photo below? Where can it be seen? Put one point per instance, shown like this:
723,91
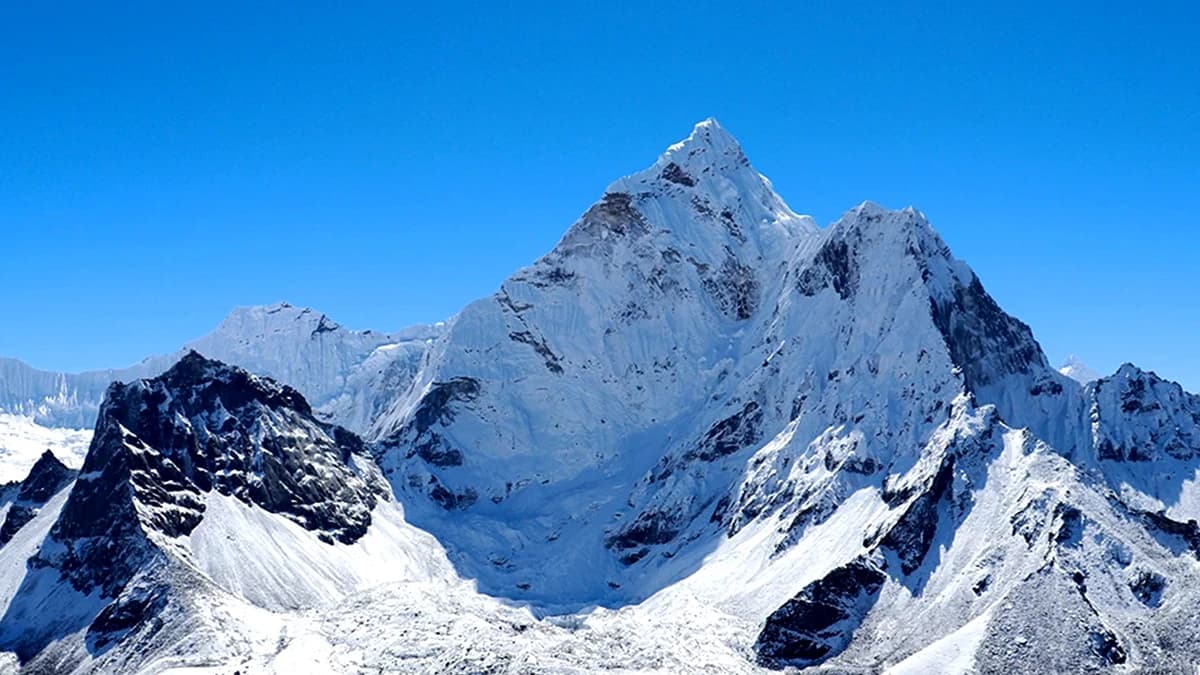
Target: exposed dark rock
125,614
202,426
819,622
436,409
1188,532
539,345
1139,417
1104,644
850,462
833,267
731,225
515,307
47,477
1070,525
913,534
435,406
1046,387
554,276
650,528
731,434
734,288
325,325
1148,587
614,213
449,499
674,173
983,341
981,585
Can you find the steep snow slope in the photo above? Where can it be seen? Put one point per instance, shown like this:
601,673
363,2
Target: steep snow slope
337,370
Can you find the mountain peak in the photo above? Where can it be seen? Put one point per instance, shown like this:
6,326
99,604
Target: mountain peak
195,373
1077,370
706,134
708,149
48,459
706,180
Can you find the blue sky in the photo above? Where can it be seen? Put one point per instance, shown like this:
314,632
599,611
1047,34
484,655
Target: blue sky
388,163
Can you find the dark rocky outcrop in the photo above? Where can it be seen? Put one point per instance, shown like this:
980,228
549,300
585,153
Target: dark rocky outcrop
832,267
539,345
47,477
819,622
162,444
674,173
436,409
984,341
731,434
913,534
1140,417
734,288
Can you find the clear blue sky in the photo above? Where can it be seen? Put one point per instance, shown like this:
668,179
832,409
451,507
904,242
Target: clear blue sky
389,163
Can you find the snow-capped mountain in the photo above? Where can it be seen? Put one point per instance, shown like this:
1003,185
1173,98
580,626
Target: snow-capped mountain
334,367
701,434
1078,370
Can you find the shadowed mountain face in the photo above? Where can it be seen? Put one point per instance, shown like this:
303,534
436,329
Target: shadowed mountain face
768,444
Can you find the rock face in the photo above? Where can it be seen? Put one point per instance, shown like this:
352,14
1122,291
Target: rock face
1138,417
821,619
200,427
47,477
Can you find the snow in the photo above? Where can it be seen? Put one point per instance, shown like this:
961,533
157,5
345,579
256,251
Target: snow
22,441
24,544
1079,371
276,564
953,654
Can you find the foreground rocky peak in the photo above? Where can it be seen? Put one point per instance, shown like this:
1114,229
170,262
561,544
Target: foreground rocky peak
221,428
162,445
131,549
45,480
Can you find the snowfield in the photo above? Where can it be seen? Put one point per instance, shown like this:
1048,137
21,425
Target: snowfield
22,441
